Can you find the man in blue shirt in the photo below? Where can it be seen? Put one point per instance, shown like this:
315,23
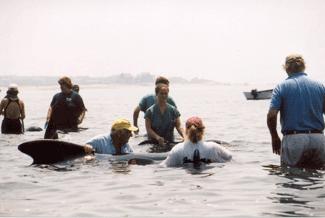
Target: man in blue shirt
301,102
115,143
149,100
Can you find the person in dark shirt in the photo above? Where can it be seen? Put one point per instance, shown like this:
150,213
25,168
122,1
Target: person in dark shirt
66,110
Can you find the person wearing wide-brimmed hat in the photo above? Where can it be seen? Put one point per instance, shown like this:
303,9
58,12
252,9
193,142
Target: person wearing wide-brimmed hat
66,110
115,142
194,149
13,110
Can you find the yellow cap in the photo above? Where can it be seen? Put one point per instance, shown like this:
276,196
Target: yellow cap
123,124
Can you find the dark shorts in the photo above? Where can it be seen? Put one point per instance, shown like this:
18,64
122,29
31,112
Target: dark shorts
11,126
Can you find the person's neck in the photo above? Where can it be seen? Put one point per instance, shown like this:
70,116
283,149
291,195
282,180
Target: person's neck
68,92
162,106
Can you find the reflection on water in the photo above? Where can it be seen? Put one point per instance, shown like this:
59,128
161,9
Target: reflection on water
297,186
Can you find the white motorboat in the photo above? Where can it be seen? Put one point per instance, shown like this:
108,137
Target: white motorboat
258,95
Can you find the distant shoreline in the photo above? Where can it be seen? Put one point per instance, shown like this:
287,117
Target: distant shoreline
127,79
145,79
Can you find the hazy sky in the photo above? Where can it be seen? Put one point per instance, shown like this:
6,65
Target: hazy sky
224,40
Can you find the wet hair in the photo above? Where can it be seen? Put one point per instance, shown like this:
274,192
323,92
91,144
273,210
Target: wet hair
163,80
65,81
294,64
194,133
159,86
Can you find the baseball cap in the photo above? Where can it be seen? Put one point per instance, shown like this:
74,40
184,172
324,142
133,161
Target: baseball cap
123,124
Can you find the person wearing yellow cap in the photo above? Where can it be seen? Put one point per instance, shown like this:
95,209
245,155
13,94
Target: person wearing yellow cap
116,142
13,110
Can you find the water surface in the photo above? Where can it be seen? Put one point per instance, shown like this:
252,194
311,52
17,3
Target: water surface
252,185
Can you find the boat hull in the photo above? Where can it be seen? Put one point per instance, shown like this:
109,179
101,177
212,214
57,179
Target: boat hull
260,95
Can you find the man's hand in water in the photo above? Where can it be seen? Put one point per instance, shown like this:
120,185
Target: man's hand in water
276,145
89,149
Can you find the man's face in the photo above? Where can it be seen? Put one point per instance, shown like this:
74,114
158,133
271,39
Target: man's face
163,94
124,136
64,88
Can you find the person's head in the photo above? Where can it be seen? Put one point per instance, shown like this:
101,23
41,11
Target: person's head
194,129
121,131
76,88
294,64
163,80
12,91
65,84
162,91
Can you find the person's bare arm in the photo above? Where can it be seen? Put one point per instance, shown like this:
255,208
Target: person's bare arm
151,133
272,123
2,106
49,113
135,118
179,128
82,116
22,110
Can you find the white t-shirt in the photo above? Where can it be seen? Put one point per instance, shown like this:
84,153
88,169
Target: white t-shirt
210,151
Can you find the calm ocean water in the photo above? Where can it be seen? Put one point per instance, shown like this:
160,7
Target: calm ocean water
252,185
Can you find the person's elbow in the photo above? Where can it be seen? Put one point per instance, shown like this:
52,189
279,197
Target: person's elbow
272,115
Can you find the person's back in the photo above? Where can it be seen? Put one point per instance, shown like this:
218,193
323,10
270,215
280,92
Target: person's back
301,103
208,152
194,150
13,110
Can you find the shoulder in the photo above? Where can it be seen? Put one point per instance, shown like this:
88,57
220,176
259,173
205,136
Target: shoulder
21,102
148,97
211,144
75,95
177,148
4,101
100,137
58,96
171,101
173,109
152,108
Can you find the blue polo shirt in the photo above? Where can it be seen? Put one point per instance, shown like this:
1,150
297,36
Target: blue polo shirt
149,100
300,101
163,123
103,145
